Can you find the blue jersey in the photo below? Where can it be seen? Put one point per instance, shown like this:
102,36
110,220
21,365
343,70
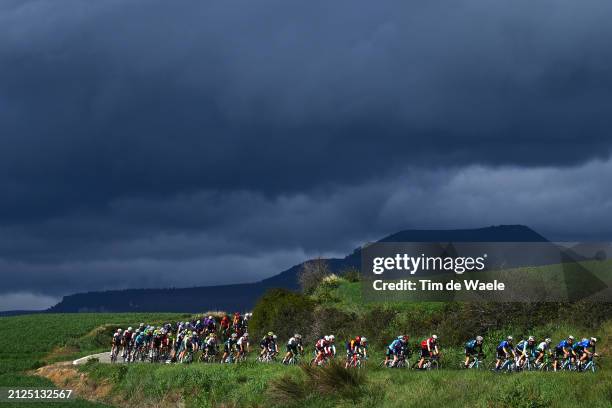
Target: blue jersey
472,345
581,345
504,345
396,345
563,345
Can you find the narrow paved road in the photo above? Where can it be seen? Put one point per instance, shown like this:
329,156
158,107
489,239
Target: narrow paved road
102,357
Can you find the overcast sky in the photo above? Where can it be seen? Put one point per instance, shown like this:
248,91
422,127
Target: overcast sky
154,144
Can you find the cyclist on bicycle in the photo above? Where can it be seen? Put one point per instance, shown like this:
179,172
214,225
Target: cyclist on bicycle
525,350
396,349
294,346
229,346
210,345
354,347
564,350
116,343
225,324
265,342
243,345
210,324
126,342
581,349
429,349
473,348
542,349
504,350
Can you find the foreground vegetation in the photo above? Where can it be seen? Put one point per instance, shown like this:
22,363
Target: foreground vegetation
33,341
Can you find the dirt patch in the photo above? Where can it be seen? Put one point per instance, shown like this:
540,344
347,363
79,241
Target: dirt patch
64,375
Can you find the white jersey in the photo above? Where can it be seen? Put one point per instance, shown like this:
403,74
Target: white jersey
543,346
242,340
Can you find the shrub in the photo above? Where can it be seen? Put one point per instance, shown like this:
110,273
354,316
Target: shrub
283,312
351,275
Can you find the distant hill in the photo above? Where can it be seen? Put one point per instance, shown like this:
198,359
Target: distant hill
243,296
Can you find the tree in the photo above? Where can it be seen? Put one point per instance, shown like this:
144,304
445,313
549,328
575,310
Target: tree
312,273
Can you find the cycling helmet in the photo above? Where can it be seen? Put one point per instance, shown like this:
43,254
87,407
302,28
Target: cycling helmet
570,337
548,340
479,338
118,330
331,337
358,339
510,338
193,333
401,337
274,337
531,338
594,340
130,329
270,334
297,336
433,336
234,335
141,324
210,317
364,340
326,338
245,335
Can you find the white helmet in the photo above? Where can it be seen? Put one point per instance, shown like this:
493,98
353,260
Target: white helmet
570,337
234,335
297,336
118,330
364,340
245,335
531,338
326,338
274,337
510,338
479,338
210,317
434,337
331,337
130,328
548,340
593,339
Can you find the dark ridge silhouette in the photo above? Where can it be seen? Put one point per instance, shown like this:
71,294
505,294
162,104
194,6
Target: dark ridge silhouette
244,296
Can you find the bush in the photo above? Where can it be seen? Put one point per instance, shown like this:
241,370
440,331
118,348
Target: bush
352,275
283,312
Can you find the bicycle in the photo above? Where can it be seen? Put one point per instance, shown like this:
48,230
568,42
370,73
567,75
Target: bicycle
545,364
589,365
476,362
431,363
508,365
114,353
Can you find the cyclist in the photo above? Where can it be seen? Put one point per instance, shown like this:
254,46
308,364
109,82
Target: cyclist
294,346
429,348
211,324
320,347
473,348
237,323
229,347
353,347
525,350
126,342
225,324
542,349
265,342
139,342
243,345
190,344
273,346
581,349
117,340
397,349
564,350
211,345
504,350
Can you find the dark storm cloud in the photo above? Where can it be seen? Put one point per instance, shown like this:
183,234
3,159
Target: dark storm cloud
144,136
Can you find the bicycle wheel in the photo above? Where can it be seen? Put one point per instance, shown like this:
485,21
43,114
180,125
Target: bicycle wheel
433,365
